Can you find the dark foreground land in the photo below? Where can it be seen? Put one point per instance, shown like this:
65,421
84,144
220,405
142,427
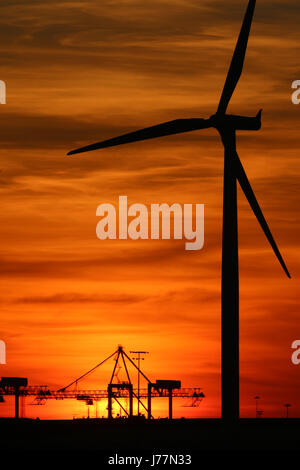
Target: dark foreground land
154,437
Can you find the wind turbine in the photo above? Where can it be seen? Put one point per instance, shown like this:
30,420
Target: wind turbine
226,125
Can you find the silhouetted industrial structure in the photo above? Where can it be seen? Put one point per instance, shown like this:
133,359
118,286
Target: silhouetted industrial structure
13,386
139,357
115,392
287,406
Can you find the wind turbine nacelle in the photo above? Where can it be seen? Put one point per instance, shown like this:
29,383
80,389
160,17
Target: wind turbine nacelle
243,123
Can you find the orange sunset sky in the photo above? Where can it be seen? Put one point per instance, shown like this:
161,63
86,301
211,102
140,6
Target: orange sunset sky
83,71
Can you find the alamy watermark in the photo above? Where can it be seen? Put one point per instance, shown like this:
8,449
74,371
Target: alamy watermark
296,354
2,92
187,224
296,94
2,352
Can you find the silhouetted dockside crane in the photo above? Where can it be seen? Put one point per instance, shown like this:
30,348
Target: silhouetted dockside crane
115,392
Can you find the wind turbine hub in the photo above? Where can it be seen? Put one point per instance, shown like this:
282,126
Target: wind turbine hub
233,122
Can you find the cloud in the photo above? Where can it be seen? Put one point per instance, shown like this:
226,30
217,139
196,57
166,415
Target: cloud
71,298
61,267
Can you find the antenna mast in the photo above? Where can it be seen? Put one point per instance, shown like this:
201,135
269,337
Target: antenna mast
139,358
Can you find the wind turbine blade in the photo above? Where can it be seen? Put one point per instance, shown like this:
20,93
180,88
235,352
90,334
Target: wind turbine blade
248,191
167,128
236,66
